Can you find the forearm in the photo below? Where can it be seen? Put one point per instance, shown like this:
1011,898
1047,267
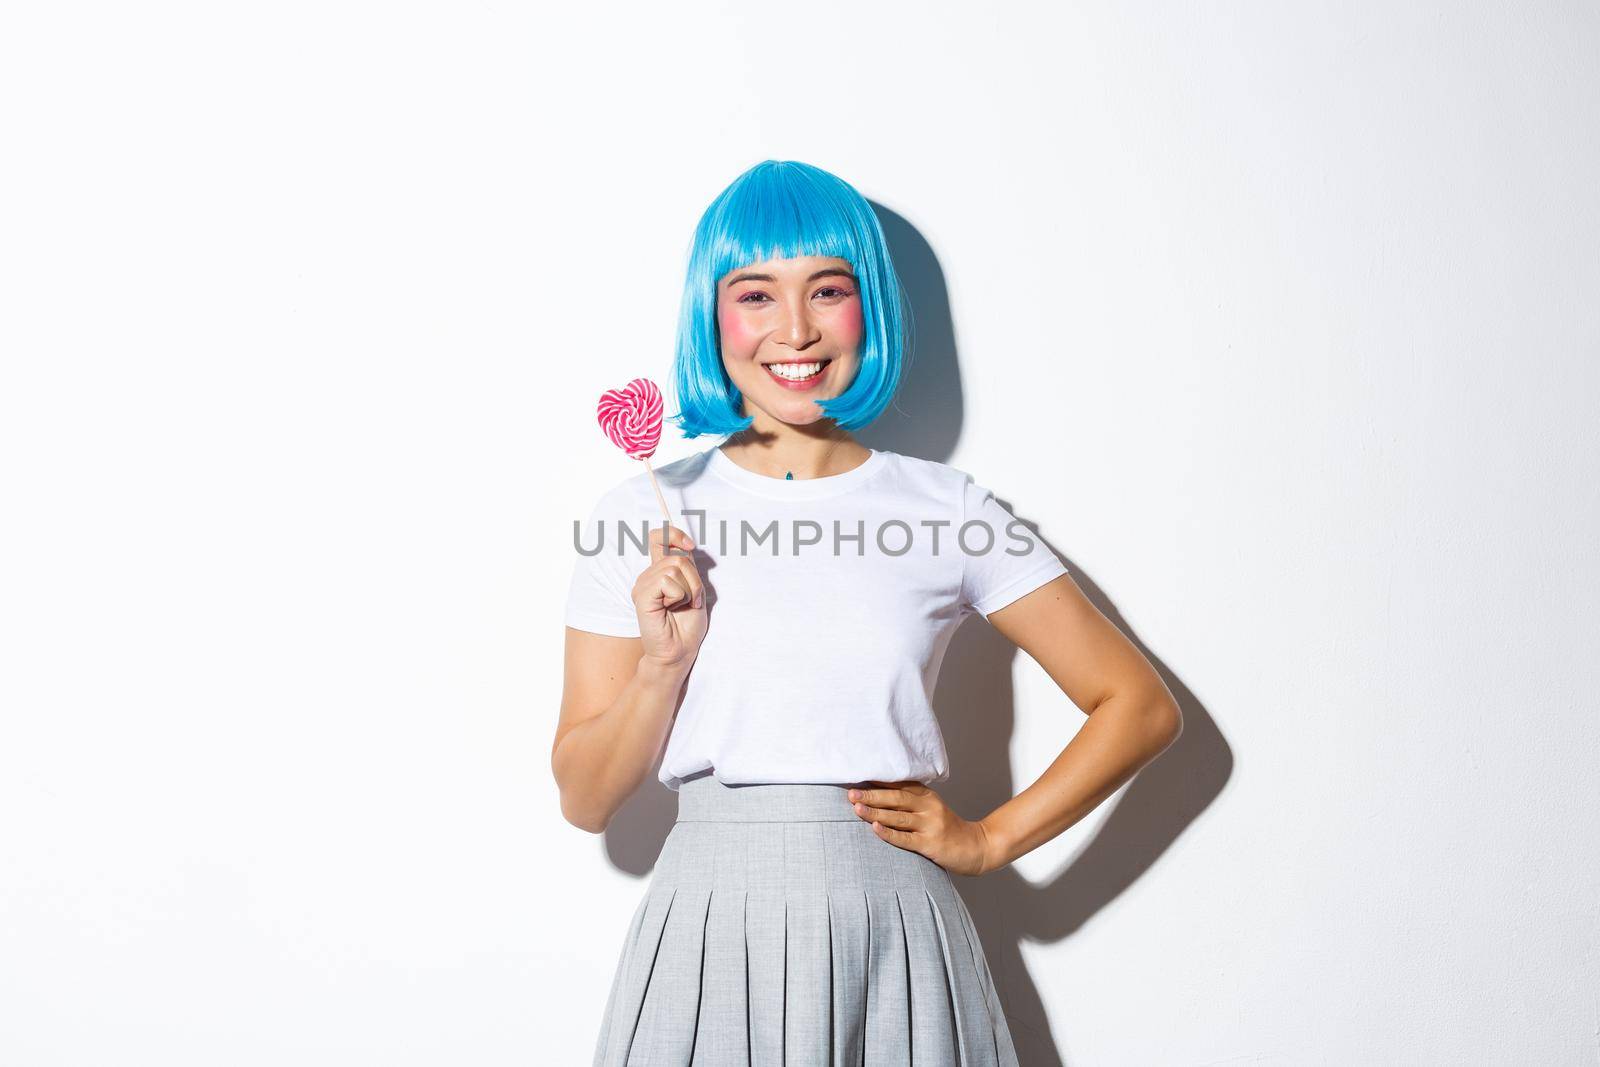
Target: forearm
1121,736
602,760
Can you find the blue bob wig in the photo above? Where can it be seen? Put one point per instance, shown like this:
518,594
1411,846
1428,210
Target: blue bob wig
781,210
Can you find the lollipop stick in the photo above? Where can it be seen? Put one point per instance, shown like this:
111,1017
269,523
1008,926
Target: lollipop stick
653,484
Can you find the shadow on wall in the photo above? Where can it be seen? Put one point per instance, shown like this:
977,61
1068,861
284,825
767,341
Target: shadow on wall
977,712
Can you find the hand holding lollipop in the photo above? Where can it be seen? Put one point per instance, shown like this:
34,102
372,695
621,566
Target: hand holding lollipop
669,596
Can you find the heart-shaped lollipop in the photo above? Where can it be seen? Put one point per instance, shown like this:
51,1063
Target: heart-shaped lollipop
631,417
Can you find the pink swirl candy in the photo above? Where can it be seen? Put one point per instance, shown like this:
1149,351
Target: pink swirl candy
631,417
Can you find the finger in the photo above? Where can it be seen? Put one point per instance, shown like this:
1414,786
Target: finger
689,576
900,820
674,538
896,837
885,798
669,591
668,541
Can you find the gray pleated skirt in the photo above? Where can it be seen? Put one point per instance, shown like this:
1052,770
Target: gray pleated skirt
779,930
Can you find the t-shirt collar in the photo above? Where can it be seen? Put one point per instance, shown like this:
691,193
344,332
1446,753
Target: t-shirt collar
795,488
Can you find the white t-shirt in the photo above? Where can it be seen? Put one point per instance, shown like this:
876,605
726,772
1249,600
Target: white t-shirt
830,604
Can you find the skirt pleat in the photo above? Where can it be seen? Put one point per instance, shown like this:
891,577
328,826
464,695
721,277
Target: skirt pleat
779,931
723,1026
849,940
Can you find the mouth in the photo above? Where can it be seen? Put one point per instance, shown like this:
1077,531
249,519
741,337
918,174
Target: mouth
797,374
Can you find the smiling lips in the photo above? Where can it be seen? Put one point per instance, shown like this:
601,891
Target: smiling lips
795,374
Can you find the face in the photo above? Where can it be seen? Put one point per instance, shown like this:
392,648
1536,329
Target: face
791,334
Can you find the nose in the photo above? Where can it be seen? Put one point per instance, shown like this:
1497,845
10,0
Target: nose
797,330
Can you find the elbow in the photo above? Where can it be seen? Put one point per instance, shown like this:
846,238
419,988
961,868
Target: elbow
1166,719
582,812
1153,720
584,818
579,810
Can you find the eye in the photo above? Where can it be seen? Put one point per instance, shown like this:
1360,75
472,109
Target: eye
745,299
834,289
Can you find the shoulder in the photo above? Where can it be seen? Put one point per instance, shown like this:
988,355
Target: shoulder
951,486
633,494
928,477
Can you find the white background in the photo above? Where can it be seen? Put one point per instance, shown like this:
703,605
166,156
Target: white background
1281,320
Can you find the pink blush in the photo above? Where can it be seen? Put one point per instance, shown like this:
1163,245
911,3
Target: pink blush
848,327
731,325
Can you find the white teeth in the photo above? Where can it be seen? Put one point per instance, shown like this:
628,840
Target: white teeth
794,371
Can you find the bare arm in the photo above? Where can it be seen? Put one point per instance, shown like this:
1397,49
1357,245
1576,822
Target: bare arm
616,712
619,694
1133,717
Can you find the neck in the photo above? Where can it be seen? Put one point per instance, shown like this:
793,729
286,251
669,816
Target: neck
817,451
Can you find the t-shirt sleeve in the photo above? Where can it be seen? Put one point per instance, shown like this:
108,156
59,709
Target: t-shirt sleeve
600,594
1016,563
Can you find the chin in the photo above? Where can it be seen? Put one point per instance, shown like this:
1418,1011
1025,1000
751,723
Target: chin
796,414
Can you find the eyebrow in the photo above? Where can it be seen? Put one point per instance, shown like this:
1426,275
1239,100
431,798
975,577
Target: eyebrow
824,273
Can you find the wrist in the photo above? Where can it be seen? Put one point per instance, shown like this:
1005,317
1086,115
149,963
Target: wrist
654,674
996,842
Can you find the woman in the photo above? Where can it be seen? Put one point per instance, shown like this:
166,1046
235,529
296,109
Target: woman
802,910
